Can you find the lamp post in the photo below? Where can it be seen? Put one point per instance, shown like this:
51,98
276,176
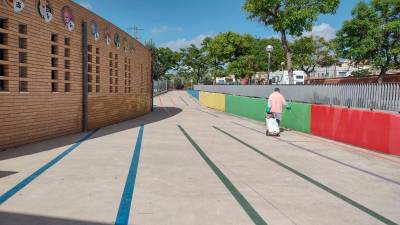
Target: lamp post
269,49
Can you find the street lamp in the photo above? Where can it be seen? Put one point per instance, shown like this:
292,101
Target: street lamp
269,49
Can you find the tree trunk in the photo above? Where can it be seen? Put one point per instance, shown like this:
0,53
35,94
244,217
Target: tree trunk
382,75
288,54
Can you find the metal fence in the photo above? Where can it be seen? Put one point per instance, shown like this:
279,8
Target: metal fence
371,96
160,87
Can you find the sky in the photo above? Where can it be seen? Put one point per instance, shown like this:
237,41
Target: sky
178,23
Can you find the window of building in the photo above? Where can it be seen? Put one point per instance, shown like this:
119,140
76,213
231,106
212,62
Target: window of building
111,63
116,56
97,60
67,75
90,48
3,85
116,64
22,43
4,54
89,78
97,51
54,62
3,39
111,89
90,88
67,64
54,74
67,87
23,86
67,53
54,87
97,88
90,58
97,79
97,69
3,70
23,57
89,68
54,37
3,23
54,49
67,41
110,55
22,29
23,71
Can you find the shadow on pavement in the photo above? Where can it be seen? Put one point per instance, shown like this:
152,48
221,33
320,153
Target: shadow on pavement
7,218
159,114
6,173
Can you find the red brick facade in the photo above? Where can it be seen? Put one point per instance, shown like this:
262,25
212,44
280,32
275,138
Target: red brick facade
41,76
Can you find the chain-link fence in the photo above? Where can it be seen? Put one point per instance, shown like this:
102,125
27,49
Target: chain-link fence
371,96
160,87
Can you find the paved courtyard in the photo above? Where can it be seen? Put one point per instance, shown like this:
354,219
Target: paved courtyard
185,164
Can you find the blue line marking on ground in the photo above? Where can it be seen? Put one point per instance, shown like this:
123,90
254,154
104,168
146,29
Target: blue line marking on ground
127,195
4,197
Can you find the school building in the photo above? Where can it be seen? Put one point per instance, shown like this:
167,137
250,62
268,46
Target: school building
64,70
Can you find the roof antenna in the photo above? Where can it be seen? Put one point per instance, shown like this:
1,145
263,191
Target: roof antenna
135,31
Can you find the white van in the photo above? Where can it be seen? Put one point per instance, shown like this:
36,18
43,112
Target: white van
282,77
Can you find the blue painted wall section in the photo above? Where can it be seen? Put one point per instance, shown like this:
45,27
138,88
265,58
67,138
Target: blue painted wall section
193,93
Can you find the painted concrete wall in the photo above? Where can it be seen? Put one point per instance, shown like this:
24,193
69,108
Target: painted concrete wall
193,93
213,100
377,131
373,130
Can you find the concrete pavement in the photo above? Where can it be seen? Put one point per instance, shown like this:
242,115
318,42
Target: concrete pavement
216,169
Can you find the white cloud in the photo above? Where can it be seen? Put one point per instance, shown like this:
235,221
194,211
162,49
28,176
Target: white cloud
164,29
184,43
85,4
324,30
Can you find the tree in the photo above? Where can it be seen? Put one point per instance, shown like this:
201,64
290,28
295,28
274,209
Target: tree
310,52
163,60
226,47
215,63
194,61
289,17
373,35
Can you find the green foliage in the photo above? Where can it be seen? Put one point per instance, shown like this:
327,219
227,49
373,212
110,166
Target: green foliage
163,60
289,17
310,52
194,62
372,35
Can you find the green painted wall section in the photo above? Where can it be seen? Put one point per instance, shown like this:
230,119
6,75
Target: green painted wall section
253,108
298,118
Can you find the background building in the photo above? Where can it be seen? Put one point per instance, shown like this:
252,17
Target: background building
46,48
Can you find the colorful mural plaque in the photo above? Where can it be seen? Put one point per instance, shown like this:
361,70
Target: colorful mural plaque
107,35
44,10
117,40
125,44
131,47
68,18
95,30
17,5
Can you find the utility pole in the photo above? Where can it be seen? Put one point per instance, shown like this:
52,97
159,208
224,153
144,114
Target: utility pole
135,31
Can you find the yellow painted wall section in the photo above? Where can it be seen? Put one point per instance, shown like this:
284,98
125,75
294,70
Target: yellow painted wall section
213,100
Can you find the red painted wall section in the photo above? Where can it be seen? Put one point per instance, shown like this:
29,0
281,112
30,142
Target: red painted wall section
373,130
394,140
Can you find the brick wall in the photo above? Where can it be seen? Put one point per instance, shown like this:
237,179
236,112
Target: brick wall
41,74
